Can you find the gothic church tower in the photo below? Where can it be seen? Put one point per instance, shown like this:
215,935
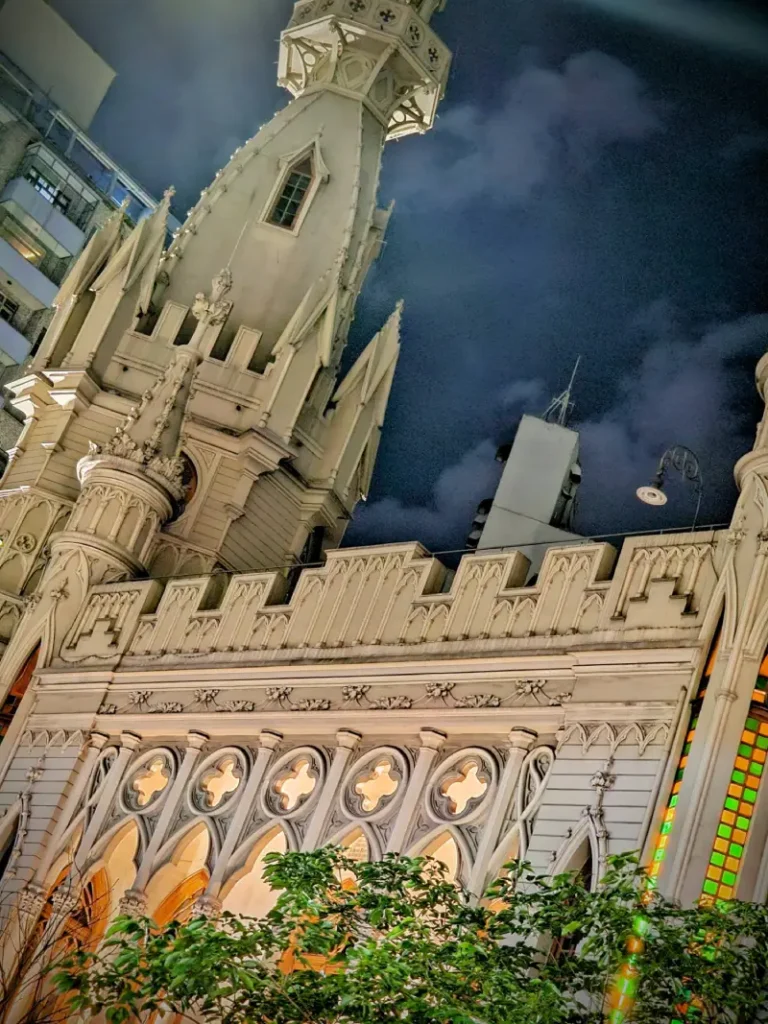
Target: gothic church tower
185,411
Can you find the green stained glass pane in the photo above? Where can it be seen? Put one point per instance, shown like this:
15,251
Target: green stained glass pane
761,683
718,859
731,803
729,878
745,750
750,796
673,801
710,887
762,742
659,855
742,822
666,828
753,724
735,849
737,776
724,831
679,775
756,769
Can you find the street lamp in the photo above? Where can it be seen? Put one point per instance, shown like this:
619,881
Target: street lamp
685,462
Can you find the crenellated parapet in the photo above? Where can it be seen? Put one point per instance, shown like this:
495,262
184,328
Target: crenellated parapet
390,600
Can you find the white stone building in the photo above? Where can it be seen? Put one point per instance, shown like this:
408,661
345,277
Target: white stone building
182,696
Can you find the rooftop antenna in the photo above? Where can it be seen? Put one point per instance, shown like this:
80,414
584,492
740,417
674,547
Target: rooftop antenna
560,408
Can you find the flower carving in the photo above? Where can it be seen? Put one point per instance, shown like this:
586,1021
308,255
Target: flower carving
479,700
278,693
399,703
312,704
206,696
439,689
236,705
139,698
355,693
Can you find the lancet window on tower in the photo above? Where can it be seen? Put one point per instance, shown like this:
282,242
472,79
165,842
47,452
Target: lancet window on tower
286,207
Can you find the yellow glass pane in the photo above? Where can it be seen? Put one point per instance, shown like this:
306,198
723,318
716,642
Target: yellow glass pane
732,863
713,872
739,836
728,818
725,892
721,845
746,809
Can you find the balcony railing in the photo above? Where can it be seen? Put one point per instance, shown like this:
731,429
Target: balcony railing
75,207
49,264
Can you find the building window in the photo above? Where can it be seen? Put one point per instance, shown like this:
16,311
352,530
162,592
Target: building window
17,691
293,193
8,308
50,192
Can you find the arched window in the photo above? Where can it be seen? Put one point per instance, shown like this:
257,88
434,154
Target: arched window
285,209
17,691
247,893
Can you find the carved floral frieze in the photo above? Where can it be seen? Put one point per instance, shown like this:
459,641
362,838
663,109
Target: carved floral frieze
364,697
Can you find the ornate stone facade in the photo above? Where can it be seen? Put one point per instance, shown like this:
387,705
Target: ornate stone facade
186,716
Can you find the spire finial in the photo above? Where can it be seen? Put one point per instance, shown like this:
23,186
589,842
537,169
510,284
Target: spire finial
561,407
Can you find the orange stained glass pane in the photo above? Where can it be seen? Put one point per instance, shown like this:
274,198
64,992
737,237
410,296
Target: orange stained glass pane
764,667
748,737
661,842
676,788
691,734
732,863
713,872
670,815
735,790
713,657
721,845
759,756
742,763
764,728
683,762
739,836
746,809
725,892
753,781
728,818
757,695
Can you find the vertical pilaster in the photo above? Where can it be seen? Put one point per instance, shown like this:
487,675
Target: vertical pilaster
347,741
520,742
268,742
431,742
195,742
128,744
96,743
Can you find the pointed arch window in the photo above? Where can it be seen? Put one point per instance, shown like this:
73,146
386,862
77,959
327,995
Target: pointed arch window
293,194
17,691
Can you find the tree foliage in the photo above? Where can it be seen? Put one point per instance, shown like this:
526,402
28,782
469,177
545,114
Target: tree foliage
394,940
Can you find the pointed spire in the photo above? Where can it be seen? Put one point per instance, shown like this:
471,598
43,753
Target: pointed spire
375,361
560,408
99,250
150,436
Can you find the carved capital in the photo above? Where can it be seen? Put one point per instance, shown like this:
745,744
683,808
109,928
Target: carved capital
133,903
31,902
432,739
206,906
522,738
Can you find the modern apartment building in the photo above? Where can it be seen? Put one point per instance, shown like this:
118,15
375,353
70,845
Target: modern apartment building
56,185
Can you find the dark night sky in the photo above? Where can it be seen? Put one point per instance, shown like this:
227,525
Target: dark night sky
595,186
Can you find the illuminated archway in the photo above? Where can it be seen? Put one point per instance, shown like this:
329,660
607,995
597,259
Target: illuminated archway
176,885
246,893
445,849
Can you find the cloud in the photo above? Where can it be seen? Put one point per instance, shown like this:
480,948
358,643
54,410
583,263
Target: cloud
444,523
549,122
684,391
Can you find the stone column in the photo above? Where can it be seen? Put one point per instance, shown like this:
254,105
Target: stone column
268,742
431,742
195,742
128,744
347,741
96,743
521,741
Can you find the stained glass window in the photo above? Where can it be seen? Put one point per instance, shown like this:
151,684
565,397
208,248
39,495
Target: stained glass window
668,819
741,797
295,188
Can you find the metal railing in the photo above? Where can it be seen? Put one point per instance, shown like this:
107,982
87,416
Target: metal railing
52,266
67,200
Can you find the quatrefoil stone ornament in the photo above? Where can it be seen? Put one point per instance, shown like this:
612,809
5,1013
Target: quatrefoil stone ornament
376,785
296,786
150,782
220,782
461,789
